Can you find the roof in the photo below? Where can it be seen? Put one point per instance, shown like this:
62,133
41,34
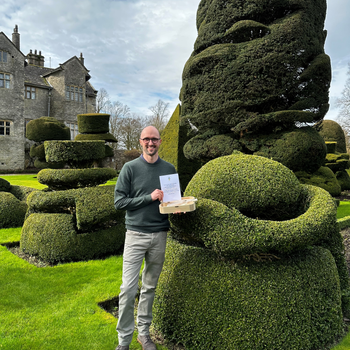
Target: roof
34,75
12,43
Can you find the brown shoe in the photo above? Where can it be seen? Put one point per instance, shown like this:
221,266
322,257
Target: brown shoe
146,342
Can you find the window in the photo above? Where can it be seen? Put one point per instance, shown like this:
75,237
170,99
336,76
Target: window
5,127
74,93
73,130
4,80
3,56
30,92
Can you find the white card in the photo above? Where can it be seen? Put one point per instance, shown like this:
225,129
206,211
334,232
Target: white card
170,185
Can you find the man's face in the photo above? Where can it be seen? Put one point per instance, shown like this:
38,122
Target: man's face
150,141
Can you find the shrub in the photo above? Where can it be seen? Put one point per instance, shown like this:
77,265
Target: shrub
290,303
74,152
47,128
53,238
236,303
93,123
323,178
12,210
331,131
75,178
4,185
253,185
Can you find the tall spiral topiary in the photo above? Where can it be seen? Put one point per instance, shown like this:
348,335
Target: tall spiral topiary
258,68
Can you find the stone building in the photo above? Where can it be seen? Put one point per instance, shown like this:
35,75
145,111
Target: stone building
29,90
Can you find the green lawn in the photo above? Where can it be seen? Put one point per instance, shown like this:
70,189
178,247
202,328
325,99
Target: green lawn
56,308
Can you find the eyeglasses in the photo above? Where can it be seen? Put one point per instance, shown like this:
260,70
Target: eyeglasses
147,140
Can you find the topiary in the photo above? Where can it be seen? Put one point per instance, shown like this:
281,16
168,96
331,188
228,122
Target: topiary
323,178
47,128
254,71
12,210
331,131
218,239
93,123
72,225
75,153
4,185
75,178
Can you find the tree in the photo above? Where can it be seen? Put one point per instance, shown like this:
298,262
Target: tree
160,115
118,111
102,101
343,103
129,130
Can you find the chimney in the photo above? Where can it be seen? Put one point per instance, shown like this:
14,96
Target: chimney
81,58
35,59
15,37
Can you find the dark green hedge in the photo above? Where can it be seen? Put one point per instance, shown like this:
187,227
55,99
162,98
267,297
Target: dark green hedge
53,238
4,185
289,303
107,137
37,151
331,131
47,128
12,210
93,123
323,178
75,178
74,152
90,206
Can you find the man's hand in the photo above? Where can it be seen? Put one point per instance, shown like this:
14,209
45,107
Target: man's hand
157,194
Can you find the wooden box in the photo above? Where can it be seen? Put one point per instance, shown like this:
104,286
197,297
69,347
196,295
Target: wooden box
184,205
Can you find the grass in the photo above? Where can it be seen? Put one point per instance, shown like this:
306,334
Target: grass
343,210
57,307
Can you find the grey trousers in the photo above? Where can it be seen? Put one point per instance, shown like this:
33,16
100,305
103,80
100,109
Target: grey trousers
139,246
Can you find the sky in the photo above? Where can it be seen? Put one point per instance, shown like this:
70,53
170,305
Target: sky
136,49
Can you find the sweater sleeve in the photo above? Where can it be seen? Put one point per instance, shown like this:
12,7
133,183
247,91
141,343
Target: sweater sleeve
122,199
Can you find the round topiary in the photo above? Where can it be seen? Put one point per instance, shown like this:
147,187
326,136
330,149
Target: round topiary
93,123
332,131
229,180
12,210
47,128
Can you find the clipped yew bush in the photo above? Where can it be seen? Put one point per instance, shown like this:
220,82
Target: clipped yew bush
75,178
235,277
12,210
47,128
323,178
331,131
76,224
93,123
258,68
75,153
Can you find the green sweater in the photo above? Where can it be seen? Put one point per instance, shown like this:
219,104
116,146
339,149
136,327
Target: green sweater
136,181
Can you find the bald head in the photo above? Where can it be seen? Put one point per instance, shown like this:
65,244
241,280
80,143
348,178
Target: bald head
150,130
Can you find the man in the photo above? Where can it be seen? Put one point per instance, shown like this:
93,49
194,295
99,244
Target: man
138,191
